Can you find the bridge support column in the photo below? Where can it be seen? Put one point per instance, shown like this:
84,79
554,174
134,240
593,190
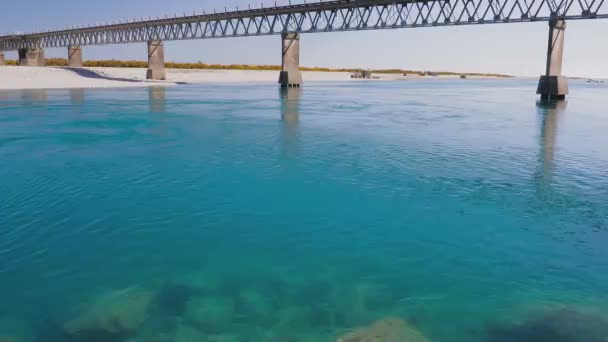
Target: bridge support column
290,69
156,60
553,85
2,60
75,56
31,57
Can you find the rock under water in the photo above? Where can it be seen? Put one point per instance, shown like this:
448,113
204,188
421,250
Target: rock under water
253,306
173,298
13,330
213,315
117,313
52,332
387,330
560,325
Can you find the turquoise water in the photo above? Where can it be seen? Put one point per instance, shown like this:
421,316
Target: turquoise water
244,213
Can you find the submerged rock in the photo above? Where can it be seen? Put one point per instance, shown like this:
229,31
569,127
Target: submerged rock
212,314
187,333
13,330
370,296
557,325
325,317
115,313
359,304
162,337
291,323
298,336
294,318
205,283
223,338
173,298
386,330
314,291
159,327
252,306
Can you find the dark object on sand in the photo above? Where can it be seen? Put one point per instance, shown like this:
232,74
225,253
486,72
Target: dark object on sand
364,74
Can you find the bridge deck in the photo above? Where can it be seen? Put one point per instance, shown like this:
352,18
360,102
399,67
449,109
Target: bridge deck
327,16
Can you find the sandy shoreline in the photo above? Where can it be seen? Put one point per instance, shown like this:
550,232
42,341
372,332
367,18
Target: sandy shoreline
15,78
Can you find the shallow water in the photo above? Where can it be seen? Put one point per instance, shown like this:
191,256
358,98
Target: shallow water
456,205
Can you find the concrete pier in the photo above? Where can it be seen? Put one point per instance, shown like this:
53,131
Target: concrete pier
75,56
553,85
2,60
31,57
156,60
290,68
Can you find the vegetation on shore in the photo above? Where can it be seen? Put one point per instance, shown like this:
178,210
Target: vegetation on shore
199,65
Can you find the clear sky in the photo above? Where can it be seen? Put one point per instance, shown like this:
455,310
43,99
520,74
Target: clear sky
517,49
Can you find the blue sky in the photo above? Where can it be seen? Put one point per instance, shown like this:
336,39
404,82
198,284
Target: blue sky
517,49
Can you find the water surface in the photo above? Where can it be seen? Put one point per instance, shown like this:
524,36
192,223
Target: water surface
459,206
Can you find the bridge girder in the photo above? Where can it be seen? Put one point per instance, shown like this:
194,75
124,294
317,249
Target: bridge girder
331,16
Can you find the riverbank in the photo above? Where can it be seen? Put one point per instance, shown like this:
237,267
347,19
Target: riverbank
14,78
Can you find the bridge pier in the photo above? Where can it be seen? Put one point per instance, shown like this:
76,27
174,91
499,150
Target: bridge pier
156,60
290,75
31,57
74,56
553,85
2,60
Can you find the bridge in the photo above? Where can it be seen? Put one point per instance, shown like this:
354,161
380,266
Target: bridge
291,21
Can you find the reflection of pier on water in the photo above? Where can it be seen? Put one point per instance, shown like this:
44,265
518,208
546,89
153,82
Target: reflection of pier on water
35,96
290,117
290,104
549,115
4,97
36,99
77,96
158,99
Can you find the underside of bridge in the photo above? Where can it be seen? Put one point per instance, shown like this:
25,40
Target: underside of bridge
290,75
31,57
552,85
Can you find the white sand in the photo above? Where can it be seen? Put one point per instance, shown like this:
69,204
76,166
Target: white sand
12,77
223,76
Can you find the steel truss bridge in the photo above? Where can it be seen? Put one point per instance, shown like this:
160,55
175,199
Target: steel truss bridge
327,16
